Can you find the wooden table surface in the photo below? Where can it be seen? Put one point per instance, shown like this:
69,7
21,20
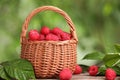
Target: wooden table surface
85,76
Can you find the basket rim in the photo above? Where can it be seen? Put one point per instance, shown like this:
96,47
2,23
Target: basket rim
26,41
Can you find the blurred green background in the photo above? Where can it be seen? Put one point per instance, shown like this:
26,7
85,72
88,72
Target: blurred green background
97,23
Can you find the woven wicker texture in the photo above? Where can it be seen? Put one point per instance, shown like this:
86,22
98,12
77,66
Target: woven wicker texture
49,57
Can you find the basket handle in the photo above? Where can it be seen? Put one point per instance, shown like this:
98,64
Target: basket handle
44,8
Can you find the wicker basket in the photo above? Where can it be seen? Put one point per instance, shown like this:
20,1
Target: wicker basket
49,57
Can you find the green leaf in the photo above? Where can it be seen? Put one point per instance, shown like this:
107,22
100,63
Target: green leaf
84,68
3,74
117,69
102,70
94,56
111,59
117,47
19,69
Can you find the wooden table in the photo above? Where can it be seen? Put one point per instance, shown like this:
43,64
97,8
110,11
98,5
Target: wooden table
85,76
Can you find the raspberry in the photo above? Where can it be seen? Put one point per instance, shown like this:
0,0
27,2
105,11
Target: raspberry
65,36
52,37
59,36
65,74
93,70
78,69
56,31
45,30
110,74
41,37
33,35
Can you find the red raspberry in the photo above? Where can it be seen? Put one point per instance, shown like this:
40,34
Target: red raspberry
59,36
56,31
78,69
45,30
41,37
93,70
65,74
52,37
65,36
110,74
33,35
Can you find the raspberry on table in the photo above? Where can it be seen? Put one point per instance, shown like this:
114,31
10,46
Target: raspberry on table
65,74
110,74
78,69
93,70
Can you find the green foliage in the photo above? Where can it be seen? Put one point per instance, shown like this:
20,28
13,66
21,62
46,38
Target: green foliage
117,47
102,70
117,69
3,74
109,60
84,68
19,69
94,56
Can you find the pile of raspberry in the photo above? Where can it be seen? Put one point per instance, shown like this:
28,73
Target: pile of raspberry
46,34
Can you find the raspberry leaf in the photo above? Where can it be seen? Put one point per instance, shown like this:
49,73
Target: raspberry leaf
112,59
102,70
94,56
117,47
19,69
117,69
3,74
